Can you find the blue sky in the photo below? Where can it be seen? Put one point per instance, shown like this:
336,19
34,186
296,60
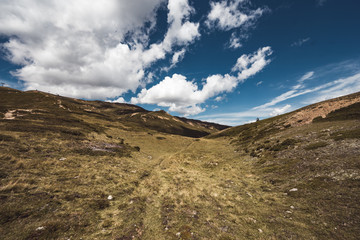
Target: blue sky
223,61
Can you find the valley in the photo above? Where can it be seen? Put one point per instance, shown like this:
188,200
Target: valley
72,169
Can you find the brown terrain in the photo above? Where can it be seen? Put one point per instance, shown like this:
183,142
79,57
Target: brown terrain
75,169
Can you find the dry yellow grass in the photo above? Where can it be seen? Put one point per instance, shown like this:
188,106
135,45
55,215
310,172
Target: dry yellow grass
94,177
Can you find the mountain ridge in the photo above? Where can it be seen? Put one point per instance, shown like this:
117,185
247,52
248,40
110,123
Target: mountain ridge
301,116
117,111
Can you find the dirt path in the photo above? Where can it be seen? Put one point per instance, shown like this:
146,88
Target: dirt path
184,188
202,191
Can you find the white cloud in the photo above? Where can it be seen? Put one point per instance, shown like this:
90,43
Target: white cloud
247,116
280,98
249,65
220,98
118,100
300,42
337,88
322,92
306,76
259,83
293,92
280,110
235,41
227,15
181,30
233,14
171,89
236,118
177,57
185,97
301,81
332,89
93,50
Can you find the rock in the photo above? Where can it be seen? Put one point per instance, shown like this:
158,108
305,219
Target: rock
252,219
260,230
214,194
62,159
289,212
293,190
178,234
40,228
225,228
292,207
110,197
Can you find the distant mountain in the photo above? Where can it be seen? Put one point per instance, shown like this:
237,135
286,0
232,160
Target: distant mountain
313,113
36,104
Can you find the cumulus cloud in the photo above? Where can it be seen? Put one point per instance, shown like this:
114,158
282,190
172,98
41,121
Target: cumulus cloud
93,50
118,100
177,57
220,98
185,97
227,15
249,65
235,41
233,14
181,30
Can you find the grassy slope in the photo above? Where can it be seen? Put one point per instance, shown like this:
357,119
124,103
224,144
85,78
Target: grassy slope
234,186
51,108
320,159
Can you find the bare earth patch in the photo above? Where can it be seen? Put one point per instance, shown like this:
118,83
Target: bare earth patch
306,115
11,114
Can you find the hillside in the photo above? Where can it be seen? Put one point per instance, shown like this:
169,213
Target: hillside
72,169
35,105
